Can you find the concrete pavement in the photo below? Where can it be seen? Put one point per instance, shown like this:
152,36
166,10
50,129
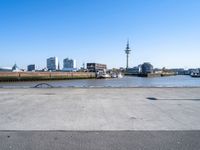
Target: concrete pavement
100,119
102,109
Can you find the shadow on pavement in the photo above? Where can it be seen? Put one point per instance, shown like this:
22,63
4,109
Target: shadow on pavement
183,99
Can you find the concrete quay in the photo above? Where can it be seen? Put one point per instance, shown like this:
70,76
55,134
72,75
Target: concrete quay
37,76
100,109
100,119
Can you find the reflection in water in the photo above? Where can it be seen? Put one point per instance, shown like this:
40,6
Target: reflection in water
171,81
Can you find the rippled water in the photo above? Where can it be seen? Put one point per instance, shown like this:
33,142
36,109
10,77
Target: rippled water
130,81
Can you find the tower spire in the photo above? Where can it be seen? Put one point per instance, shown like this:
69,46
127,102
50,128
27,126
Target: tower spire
127,45
127,52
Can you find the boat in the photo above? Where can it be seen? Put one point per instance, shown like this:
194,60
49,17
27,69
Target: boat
119,75
103,76
116,75
113,75
195,75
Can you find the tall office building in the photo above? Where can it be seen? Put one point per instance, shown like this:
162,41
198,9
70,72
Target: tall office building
52,63
69,64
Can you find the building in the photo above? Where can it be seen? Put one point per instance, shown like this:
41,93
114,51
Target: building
31,67
5,69
146,68
52,64
69,65
95,67
179,71
15,68
133,71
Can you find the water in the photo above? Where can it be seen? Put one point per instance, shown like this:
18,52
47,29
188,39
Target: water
130,81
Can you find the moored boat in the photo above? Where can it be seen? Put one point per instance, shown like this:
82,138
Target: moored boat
119,75
195,75
103,76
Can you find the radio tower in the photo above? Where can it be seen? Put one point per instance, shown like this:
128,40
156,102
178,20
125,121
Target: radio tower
127,52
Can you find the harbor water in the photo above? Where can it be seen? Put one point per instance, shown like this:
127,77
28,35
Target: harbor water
127,81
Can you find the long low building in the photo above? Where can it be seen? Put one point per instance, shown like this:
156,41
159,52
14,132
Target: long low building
5,69
94,67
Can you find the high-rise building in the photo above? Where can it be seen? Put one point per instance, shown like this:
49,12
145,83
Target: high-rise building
52,63
31,67
69,64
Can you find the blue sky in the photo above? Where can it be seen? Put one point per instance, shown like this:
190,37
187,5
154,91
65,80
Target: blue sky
163,32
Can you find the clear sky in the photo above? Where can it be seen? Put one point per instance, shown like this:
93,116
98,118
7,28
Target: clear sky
163,32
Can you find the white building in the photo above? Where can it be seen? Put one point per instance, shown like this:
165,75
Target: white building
52,63
69,65
5,69
15,68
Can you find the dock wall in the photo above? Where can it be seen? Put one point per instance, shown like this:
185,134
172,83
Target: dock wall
34,76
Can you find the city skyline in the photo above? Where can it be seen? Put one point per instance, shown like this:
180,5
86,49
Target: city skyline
164,33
